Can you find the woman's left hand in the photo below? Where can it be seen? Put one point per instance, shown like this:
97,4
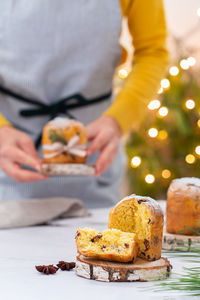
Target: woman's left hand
104,135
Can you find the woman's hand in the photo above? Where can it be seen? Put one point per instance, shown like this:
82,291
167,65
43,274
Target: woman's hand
104,135
17,148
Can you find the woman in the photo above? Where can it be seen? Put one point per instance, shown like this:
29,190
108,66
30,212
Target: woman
54,49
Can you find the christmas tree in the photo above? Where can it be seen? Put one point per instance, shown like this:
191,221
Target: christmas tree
167,146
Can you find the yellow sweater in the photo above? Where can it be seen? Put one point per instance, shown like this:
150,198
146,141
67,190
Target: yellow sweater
147,26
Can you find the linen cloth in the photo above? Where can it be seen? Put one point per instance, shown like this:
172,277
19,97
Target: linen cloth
38,211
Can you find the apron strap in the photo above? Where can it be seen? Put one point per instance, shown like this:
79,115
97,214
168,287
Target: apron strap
58,107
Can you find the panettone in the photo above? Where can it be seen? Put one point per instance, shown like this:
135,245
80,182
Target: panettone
183,206
64,141
110,244
144,217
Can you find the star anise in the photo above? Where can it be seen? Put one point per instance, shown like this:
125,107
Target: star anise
66,266
50,269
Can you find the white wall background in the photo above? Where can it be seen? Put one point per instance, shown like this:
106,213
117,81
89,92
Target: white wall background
181,15
184,24
182,21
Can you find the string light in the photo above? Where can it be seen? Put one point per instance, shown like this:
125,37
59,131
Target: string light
173,71
149,178
154,104
190,158
166,174
190,104
153,132
184,64
198,12
160,91
198,123
136,161
192,61
165,84
122,73
163,111
197,150
162,135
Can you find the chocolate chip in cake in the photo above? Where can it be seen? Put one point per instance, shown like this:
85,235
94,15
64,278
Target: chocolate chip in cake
143,253
155,240
126,245
154,259
72,156
150,221
103,247
147,244
191,184
170,241
168,270
148,256
96,238
141,200
77,235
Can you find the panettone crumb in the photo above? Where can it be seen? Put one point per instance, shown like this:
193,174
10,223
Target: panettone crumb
130,220
110,244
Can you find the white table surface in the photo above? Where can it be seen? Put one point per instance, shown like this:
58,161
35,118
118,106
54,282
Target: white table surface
22,249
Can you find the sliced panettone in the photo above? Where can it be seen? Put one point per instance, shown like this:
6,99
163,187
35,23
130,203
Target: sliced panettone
144,217
110,244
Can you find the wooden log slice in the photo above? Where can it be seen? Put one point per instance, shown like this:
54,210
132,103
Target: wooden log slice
141,270
180,242
68,169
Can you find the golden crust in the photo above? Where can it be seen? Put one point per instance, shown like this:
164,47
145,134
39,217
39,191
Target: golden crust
118,253
72,129
144,217
183,209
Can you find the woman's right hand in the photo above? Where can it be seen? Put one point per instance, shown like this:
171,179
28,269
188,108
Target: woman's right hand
17,149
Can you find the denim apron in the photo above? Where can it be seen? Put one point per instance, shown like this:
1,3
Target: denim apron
50,50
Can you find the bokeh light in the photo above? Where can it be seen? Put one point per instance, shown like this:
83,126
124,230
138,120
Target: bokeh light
189,104
162,135
165,84
197,149
122,73
154,104
149,178
190,158
192,61
184,64
160,91
173,71
136,161
166,174
163,111
153,132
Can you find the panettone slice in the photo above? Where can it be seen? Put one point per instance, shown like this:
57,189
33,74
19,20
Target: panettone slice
110,244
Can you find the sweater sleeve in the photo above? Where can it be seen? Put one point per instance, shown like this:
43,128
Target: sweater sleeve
3,121
146,21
